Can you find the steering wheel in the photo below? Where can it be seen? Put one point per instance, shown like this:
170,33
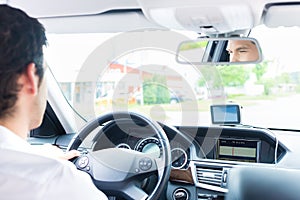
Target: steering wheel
119,172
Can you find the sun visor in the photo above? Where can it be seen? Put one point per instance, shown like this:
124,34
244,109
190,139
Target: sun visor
59,8
282,15
200,17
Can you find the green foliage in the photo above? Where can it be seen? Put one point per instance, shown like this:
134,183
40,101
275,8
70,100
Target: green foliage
234,96
156,91
149,92
201,82
260,69
193,45
223,76
268,84
234,75
297,89
284,78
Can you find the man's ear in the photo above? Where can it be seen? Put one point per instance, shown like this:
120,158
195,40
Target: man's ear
29,80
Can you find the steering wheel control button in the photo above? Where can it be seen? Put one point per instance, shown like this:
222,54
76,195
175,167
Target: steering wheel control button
83,162
145,164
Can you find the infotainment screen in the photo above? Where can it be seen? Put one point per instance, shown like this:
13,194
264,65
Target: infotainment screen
225,114
238,150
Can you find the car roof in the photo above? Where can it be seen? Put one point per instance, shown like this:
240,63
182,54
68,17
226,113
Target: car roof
210,17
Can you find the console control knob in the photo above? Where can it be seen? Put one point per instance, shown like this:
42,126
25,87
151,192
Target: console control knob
180,194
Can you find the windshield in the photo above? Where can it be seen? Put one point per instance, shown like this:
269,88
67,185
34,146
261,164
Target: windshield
137,71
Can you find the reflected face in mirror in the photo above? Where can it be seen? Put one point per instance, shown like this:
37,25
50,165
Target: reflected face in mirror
242,51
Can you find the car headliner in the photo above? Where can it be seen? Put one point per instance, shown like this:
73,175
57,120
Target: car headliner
114,15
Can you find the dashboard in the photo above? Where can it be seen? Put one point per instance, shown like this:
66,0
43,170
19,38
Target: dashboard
201,156
125,134
225,147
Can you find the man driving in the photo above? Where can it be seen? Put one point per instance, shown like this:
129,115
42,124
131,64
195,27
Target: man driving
24,172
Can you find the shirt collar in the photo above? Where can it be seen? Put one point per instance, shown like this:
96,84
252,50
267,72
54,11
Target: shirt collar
10,140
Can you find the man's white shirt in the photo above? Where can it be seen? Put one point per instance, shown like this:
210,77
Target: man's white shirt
26,174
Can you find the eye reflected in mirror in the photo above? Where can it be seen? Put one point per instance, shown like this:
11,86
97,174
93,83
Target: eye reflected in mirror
219,51
242,51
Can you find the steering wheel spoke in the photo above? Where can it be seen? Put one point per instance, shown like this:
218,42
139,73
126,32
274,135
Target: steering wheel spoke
160,165
134,192
124,165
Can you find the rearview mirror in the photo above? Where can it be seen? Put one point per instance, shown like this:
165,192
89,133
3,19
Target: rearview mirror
219,51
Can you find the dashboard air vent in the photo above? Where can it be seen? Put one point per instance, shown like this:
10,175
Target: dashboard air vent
209,176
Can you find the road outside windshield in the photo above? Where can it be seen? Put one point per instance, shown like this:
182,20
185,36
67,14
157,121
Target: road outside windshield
99,73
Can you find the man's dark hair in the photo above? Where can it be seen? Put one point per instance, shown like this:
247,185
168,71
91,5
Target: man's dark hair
21,42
